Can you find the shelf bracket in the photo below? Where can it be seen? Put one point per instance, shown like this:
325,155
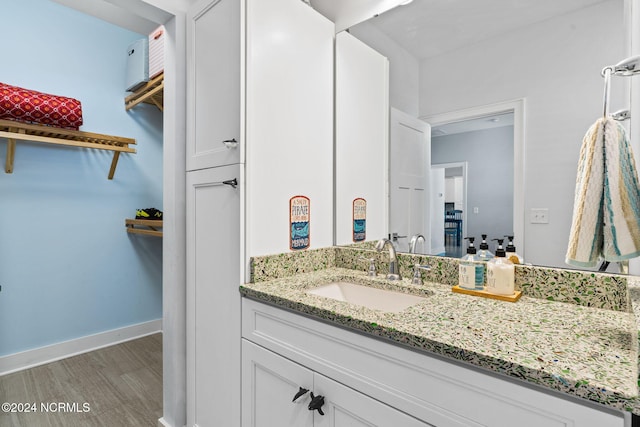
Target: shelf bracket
11,152
114,163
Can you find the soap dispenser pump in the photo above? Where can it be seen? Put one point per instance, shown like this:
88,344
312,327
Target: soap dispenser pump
471,270
511,252
500,273
484,253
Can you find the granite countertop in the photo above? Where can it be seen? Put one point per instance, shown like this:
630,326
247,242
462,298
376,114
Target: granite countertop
586,352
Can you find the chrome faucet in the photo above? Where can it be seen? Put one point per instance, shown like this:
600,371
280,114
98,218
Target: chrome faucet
414,241
394,272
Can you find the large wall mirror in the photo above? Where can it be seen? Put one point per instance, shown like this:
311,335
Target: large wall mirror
509,89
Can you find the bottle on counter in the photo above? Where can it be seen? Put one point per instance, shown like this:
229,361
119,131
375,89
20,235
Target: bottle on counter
471,270
484,253
511,253
500,273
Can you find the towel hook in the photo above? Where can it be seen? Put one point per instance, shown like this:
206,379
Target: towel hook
606,73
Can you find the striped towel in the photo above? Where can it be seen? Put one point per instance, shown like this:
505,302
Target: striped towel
605,225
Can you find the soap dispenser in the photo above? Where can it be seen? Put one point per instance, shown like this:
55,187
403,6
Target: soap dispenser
484,253
471,270
511,252
500,273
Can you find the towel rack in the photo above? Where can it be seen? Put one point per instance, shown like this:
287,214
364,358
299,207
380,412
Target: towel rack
627,67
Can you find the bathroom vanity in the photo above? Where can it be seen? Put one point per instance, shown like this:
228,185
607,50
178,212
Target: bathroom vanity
446,360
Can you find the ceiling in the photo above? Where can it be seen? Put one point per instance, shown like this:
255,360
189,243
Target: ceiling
428,28
136,16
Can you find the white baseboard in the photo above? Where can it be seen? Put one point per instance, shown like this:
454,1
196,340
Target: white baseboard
39,356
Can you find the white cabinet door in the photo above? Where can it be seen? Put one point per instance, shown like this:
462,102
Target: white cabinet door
269,384
214,83
345,407
213,300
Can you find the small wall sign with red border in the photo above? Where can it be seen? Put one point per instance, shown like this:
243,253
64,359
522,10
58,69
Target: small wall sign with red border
299,223
359,220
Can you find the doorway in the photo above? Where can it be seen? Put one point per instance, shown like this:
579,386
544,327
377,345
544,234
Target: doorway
495,190
449,208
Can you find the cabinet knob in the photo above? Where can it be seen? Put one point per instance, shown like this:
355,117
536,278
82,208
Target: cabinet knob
300,392
316,403
230,143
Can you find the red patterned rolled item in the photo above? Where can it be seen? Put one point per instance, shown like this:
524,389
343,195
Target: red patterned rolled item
30,106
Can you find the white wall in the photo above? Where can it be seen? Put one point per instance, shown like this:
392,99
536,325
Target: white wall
556,66
403,68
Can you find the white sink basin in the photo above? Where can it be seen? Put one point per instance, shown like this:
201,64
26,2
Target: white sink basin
376,299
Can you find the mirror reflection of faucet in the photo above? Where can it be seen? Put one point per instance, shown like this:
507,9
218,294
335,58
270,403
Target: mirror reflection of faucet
394,272
414,241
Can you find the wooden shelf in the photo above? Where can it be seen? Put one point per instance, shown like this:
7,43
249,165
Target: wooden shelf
151,93
150,226
17,131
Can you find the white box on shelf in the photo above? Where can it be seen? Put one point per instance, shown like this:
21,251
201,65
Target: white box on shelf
137,64
156,51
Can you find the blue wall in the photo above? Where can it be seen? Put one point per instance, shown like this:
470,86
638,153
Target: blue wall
67,266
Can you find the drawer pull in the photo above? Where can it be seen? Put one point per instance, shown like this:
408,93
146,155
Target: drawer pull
230,143
316,403
300,392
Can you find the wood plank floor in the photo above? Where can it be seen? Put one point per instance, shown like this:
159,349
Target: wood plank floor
121,384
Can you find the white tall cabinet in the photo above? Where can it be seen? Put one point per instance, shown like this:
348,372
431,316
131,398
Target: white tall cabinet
259,110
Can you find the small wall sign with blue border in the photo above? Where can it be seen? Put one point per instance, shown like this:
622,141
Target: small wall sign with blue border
359,220
299,221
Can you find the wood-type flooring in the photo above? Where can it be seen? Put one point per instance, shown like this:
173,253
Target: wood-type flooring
116,386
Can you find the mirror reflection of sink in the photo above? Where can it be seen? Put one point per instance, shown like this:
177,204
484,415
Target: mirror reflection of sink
374,298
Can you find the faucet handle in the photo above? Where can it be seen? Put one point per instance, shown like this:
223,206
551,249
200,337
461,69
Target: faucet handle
417,277
395,237
372,266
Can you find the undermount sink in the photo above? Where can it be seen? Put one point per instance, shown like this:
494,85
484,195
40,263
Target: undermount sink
374,298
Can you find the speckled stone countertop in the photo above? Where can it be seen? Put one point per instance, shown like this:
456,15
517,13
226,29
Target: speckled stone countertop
583,351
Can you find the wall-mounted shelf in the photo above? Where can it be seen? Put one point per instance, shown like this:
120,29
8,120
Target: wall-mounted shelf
151,93
148,227
17,131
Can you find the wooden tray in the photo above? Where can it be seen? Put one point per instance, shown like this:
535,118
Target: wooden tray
511,298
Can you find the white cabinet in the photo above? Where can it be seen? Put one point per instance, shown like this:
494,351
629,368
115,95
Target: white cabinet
213,84
270,382
213,302
429,389
259,73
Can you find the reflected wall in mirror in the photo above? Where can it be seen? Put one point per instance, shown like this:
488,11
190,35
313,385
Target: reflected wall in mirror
449,57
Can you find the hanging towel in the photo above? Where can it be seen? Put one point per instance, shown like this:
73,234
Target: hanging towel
606,222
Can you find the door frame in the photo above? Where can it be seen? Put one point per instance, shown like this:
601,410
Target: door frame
464,166
517,107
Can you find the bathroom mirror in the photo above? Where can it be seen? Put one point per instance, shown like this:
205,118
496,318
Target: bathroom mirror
447,58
